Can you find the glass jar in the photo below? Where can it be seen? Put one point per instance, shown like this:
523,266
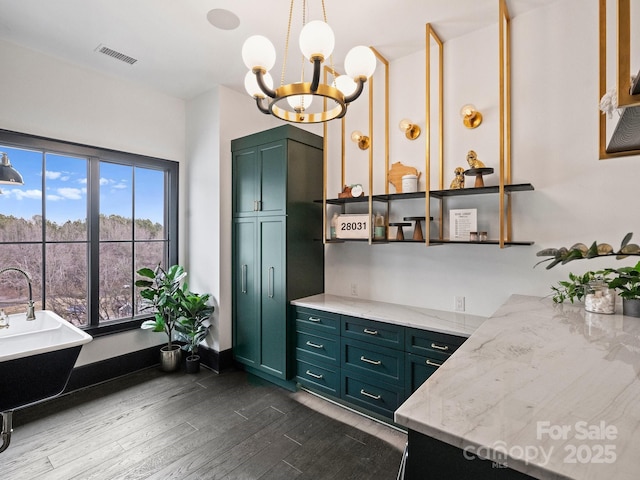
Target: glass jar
332,231
599,298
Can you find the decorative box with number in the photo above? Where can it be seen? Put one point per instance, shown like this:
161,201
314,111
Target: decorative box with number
353,226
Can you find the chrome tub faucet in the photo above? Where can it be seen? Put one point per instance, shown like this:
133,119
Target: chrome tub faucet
31,315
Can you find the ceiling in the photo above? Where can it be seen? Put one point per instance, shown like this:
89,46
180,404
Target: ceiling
180,53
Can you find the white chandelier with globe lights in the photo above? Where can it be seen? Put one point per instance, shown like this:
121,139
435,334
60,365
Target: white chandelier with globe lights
306,102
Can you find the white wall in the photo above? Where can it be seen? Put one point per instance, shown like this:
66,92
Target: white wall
577,197
44,96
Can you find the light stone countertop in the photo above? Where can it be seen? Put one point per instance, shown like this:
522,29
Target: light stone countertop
453,323
555,387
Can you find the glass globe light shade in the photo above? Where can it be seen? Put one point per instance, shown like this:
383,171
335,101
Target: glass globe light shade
346,85
467,110
317,38
405,124
258,51
300,102
251,84
356,135
360,62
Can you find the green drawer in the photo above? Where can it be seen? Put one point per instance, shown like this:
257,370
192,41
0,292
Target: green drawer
374,362
321,378
418,369
378,397
325,321
432,344
313,346
379,333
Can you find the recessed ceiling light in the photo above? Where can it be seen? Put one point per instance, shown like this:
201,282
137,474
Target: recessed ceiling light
223,19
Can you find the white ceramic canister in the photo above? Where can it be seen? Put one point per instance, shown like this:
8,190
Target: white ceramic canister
409,183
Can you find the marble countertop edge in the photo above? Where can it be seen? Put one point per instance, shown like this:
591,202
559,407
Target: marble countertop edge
441,321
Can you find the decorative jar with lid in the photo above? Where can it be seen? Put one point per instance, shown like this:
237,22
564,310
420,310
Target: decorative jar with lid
599,298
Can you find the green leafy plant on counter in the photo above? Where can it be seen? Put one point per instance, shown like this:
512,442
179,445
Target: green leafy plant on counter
574,288
626,282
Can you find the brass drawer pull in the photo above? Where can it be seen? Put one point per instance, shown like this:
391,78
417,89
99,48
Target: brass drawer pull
370,395
370,332
314,319
440,347
433,364
314,375
314,345
372,362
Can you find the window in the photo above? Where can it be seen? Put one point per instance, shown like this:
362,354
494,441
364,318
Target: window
85,220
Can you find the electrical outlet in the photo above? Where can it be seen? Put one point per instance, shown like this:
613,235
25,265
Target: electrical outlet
354,289
458,304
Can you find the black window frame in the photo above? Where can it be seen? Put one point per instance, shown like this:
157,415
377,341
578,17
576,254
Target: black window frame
94,156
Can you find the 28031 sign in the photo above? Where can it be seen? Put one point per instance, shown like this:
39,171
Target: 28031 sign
353,226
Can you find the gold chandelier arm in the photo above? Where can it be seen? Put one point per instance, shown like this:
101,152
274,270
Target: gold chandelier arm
263,86
317,65
358,91
260,106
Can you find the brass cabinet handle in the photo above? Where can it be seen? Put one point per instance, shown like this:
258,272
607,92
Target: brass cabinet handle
370,395
314,345
439,347
370,332
372,362
314,319
314,375
433,364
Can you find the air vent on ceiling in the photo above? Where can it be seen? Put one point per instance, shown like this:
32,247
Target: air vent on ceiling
115,54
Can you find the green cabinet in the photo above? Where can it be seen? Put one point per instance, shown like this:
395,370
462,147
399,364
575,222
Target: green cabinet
426,351
277,250
370,365
259,180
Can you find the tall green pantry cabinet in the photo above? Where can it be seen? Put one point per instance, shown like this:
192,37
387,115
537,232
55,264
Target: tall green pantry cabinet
277,247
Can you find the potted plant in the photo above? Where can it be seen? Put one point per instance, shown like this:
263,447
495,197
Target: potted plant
627,283
163,292
192,325
625,280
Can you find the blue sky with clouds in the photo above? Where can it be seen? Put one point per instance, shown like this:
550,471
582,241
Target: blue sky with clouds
65,187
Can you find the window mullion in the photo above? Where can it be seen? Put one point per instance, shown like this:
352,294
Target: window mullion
93,230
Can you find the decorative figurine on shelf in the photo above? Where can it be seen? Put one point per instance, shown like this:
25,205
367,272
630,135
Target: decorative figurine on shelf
350,191
472,160
346,192
478,169
458,180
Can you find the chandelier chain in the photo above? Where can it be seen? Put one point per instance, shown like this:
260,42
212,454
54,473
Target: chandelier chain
333,70
286,45
304,22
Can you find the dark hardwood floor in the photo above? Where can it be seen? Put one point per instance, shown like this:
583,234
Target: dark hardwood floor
155,425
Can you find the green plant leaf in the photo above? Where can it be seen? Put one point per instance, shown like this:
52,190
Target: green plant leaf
626,240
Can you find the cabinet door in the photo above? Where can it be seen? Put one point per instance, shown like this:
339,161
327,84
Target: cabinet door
418,369
273,178
246,174
273,339
246,314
